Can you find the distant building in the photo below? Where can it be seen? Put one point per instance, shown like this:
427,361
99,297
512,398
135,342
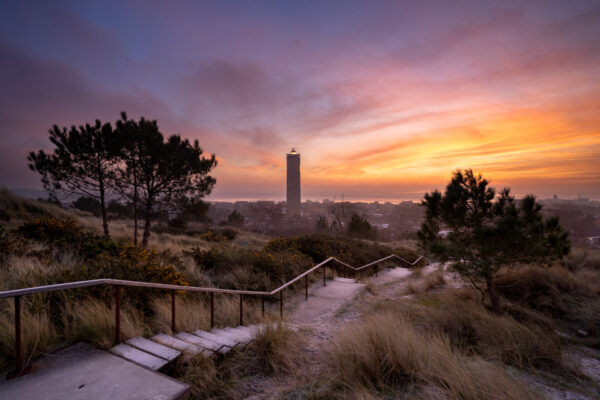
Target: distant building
293,183
593,241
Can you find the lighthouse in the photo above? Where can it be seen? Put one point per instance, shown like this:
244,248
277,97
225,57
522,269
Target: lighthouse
293,183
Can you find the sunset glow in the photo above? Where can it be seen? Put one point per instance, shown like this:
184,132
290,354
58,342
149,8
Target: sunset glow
383,102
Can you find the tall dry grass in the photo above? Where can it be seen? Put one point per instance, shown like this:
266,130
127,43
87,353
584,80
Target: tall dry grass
385,353
93,321
14,209
274,352
472,329
40,335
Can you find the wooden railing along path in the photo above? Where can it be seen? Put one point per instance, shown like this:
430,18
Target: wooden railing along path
17,293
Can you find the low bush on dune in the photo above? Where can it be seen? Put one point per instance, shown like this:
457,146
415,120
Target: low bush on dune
352,251
244,268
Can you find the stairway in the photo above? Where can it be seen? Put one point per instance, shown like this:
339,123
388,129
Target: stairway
157,352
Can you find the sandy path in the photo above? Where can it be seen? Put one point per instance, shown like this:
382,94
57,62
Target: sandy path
327,310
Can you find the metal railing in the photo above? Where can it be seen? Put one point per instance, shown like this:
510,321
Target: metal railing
118,283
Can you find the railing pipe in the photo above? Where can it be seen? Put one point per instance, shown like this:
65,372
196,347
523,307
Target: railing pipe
79,284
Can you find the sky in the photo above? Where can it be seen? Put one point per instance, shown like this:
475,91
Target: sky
383,99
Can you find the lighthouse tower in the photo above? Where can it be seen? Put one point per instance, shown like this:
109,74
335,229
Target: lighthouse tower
293,183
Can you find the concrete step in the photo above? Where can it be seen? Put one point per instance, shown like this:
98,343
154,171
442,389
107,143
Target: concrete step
181,345
242,330
205,343
139,357
151,347
240,337
81,372
348,280
218,338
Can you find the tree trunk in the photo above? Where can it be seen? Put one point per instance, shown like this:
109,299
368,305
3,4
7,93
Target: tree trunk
494,299
148,218
103,206
135,208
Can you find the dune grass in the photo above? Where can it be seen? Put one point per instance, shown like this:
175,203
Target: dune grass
386,354
274,352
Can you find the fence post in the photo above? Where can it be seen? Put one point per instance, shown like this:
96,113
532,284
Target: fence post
173,327
281,303
324,273
306,286
117,314
212,310
241,310
262,300
18,347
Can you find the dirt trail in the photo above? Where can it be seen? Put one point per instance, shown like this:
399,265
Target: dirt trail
327,310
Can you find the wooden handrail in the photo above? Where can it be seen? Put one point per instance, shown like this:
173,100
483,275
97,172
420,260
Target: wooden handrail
118,283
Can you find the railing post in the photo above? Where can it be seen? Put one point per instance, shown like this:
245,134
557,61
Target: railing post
324,275
18,347
281,303
306,286
241,310
212,310
262,300
173,327
117,314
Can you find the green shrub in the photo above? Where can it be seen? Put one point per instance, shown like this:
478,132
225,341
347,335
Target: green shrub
352,251
243,268
219,235
52,230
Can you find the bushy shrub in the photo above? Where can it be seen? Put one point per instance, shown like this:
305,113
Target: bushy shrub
352,251
133,263
244,268
5,243
219,235
361,228
49,229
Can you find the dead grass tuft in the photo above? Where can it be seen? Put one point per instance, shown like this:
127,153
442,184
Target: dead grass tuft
277,350
93,321
385,353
